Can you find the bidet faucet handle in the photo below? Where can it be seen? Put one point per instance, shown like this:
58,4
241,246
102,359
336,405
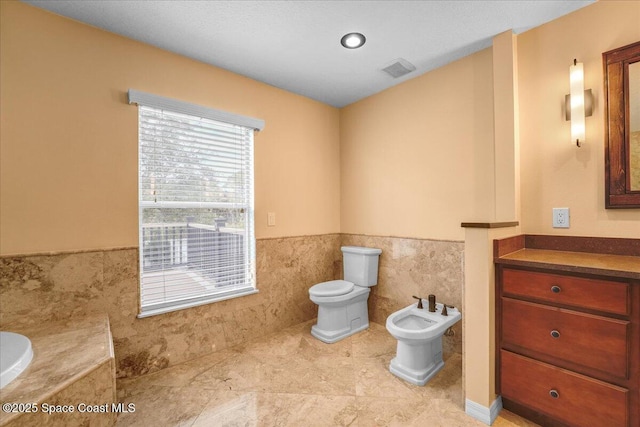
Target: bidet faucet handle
419,301
444,309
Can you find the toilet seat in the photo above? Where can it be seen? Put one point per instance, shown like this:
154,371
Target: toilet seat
332,288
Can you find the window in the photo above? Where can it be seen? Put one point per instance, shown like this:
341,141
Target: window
195,171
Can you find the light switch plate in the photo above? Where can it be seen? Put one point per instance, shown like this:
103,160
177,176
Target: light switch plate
271,219
561,218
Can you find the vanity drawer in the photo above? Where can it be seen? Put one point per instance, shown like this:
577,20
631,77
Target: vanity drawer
592,341
572,398
601,295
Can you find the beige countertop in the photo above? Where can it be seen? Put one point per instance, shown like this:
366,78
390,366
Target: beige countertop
63,352
575,262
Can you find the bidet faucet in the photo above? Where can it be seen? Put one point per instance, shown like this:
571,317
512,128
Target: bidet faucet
419,301
432,303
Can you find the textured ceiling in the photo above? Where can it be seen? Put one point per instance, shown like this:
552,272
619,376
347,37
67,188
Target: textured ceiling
295,45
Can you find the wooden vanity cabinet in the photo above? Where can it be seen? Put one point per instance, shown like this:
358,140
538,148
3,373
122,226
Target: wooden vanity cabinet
568,347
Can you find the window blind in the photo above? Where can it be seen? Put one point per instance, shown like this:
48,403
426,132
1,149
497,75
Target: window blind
197,242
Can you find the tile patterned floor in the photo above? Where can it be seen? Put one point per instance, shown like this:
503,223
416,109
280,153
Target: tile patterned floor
292,379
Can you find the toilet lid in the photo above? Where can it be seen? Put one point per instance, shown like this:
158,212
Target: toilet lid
331,289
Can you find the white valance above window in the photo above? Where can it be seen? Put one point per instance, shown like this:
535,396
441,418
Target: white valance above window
162,103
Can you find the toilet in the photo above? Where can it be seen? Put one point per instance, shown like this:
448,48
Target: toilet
419,333
342,304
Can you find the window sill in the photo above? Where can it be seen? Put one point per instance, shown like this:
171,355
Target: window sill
148,312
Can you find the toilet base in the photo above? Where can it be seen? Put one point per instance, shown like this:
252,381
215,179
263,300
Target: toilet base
417,363
334,336
339,318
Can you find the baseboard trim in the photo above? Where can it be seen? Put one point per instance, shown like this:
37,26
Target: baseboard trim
482,413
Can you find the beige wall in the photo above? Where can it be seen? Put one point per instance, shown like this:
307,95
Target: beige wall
505,127
478,312
479,272
555,173
68,167
414,158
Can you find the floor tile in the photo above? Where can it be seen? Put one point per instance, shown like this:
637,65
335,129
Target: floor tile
278,409
292,379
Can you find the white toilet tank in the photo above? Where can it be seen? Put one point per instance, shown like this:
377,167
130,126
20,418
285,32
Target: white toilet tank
360,265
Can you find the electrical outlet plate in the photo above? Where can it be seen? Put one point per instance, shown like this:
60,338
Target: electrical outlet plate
561,218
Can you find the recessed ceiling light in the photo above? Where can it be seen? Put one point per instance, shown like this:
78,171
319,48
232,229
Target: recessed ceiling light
352,40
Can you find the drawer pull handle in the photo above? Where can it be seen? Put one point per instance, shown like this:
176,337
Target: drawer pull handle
555,289
555,334
554,394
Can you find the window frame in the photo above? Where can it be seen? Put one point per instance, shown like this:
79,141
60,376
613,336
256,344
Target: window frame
198,112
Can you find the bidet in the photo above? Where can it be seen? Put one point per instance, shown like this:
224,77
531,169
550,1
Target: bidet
419,334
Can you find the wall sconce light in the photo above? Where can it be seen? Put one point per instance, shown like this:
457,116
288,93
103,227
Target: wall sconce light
578,104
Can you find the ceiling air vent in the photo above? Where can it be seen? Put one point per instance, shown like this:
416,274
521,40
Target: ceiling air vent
399,68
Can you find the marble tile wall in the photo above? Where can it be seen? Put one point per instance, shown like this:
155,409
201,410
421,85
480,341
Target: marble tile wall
44,288
415,267
37,288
